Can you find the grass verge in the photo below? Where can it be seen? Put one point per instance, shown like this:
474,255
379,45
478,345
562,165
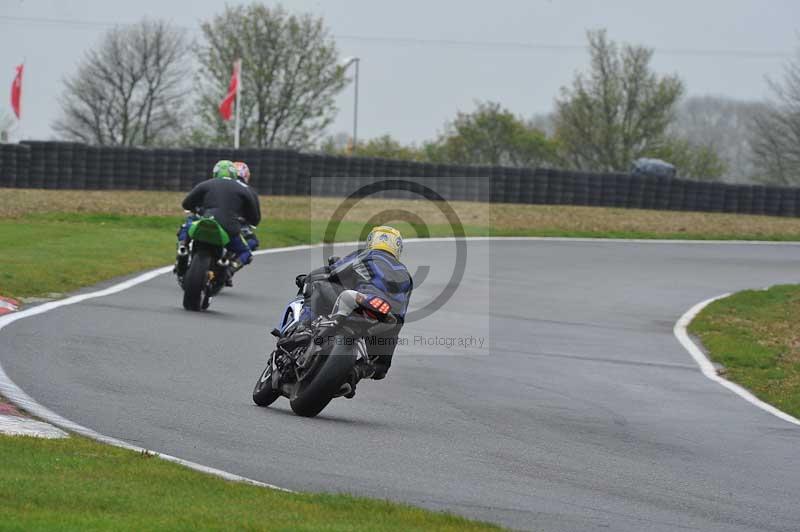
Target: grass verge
754,335
54,242
78,484
56,253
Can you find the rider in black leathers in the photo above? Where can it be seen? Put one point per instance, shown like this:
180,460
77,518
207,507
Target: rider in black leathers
229,201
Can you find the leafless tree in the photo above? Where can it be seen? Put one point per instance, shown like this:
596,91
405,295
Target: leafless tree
131,89
290,76
776,132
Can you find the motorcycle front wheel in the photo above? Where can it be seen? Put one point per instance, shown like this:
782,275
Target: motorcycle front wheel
263,394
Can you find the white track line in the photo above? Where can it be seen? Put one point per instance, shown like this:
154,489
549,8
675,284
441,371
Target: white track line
16,395
708,368
674,241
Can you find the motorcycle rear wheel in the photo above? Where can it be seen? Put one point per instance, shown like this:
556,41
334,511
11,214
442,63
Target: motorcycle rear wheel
195,282
309,399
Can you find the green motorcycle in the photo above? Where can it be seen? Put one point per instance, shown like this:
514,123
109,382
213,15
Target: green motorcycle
210,264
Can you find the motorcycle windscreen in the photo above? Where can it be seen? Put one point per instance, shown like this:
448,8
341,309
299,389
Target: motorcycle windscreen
209,231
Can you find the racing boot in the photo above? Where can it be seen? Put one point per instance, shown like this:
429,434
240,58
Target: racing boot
362,370
236,265
381,363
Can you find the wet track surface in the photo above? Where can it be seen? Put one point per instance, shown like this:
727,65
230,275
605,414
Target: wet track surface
580,411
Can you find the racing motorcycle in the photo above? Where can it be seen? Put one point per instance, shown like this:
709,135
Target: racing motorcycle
314,366
210,264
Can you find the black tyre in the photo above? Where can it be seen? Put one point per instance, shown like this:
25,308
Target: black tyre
263,394
310,398
195,282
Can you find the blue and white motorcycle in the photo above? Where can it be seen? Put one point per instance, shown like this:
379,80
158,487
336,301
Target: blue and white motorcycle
313,366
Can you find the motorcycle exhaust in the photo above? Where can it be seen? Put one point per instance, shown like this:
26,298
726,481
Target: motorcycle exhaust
224,262
236,265
183,251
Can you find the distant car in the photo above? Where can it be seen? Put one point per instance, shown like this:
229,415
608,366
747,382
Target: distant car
652,168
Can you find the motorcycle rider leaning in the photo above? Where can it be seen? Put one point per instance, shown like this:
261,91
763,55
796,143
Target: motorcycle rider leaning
226,199
374,270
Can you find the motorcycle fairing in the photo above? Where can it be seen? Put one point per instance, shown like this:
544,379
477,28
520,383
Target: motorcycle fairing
208,230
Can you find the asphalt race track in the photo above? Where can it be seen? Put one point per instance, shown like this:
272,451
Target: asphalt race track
581,411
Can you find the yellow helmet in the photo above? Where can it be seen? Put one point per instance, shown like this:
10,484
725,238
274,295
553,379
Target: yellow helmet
387,239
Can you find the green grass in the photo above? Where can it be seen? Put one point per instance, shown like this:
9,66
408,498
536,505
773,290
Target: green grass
56,253
61,252
754,335
77,484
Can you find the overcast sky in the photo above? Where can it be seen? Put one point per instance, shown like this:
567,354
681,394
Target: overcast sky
519,52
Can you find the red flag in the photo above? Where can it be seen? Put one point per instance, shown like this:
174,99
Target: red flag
16,92
226,105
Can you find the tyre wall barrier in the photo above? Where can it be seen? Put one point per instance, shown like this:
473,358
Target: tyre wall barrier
9,165
70,165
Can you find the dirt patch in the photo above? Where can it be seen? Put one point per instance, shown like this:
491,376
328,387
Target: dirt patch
19,202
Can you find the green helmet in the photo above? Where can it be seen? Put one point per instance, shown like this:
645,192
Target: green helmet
225,170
